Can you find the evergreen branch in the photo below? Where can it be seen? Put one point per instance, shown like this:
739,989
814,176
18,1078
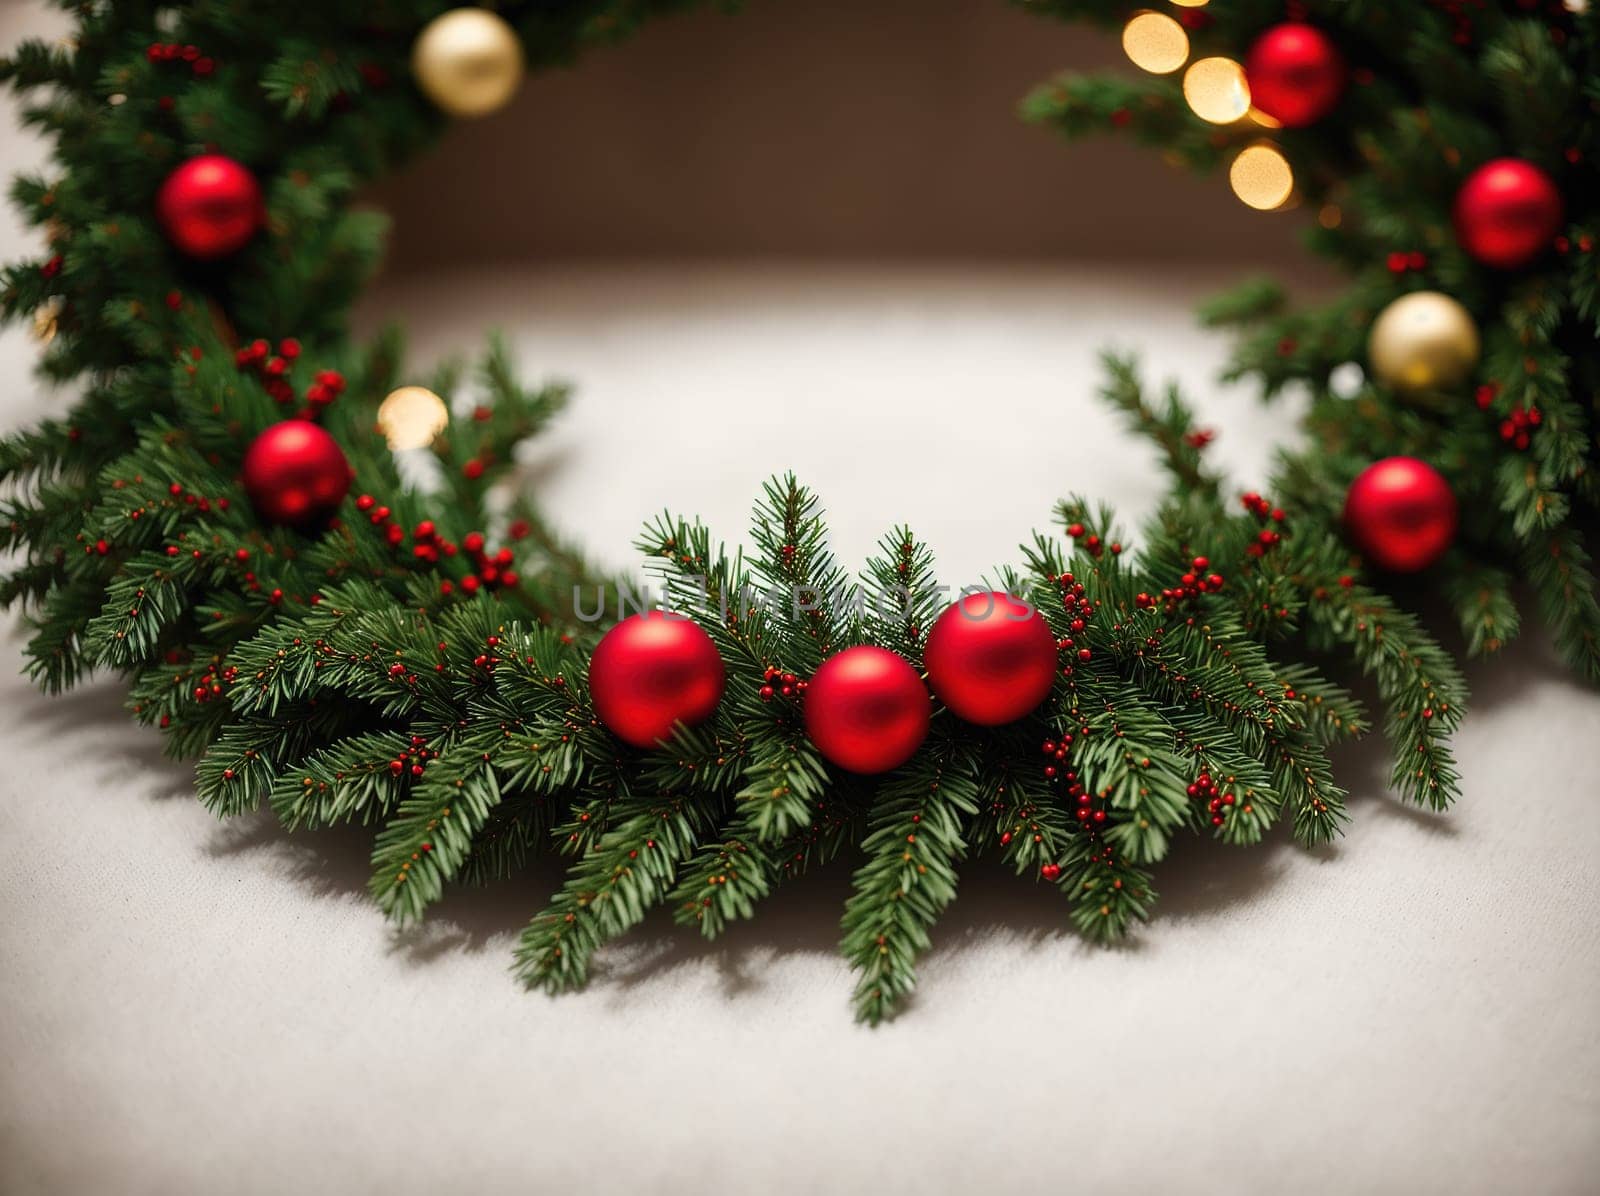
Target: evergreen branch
916,834
631,867
725,880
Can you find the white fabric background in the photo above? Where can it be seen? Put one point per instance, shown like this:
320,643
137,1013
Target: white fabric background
194,1007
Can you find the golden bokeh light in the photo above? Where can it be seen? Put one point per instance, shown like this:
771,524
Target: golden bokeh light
1265,121
1216,90
46,318
1155,43
1260,177
411,417
1190,3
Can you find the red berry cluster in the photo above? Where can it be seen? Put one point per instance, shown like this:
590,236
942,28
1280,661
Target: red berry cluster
1267,538
1221,802
1087,808
198,501
430,545
1055,750
242,555
776,682
1189,588
381,516
1585,243
488,570
190,56
327,386
416,759
492,571
1091,542
210,685
1200,437
1204,788
487,660
1100,853
1400,262
1516,429
273,370
1081,610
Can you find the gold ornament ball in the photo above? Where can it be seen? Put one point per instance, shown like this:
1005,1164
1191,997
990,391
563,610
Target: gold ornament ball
468,61
411,417
1422,342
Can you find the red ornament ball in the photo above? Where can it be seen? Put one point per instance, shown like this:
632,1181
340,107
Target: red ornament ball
1296,74
1507,213
651,672
295,473
991,658
210,207
867,710
1401,514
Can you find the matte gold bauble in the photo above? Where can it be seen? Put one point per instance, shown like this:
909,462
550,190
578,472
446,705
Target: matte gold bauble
1423,342
468,61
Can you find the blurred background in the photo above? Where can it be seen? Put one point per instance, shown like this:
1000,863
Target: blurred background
829,129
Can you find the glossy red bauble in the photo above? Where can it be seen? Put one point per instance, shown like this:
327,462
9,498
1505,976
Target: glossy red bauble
1401,514
651,672
295,473
1296,74
1507,213
991,658
210,207
867,710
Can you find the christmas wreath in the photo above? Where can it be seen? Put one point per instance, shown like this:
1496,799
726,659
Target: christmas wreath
222,520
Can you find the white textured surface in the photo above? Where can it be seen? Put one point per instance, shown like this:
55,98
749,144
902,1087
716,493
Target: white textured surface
193,1007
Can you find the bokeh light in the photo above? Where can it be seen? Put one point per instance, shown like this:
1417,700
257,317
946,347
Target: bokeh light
1260,177
1155,43
45,320
411,417
1346,380
1216,90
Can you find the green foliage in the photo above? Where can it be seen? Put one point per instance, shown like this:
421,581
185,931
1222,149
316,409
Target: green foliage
420,664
